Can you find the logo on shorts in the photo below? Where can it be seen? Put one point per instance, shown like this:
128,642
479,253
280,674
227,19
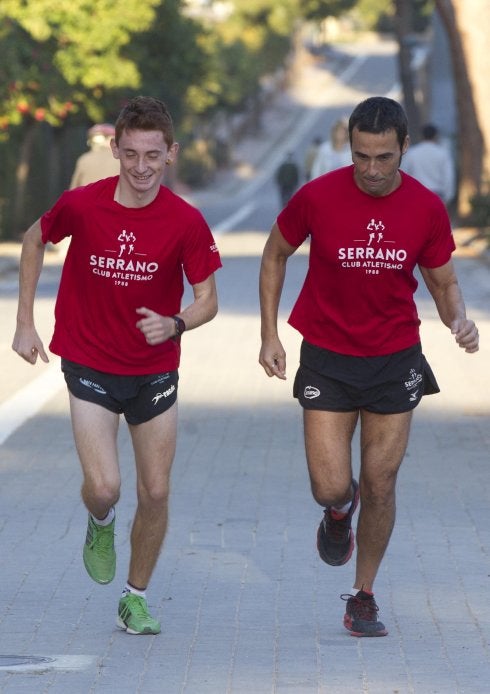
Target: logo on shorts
311,392
165,394
94,386
413,384
414,380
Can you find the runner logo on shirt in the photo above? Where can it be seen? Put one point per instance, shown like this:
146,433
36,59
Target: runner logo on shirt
376,253
124,263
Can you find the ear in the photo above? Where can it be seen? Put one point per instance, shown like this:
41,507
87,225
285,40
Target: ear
115,148
172,153
406,144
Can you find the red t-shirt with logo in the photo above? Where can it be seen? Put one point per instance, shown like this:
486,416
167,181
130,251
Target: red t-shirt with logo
120,259
358,295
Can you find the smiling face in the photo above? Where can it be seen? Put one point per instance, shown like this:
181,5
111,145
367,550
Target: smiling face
377,158
143,156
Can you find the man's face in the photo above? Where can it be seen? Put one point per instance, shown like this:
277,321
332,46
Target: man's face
143,155
376,160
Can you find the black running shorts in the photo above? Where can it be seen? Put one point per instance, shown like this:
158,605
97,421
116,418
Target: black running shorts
139,398
389,384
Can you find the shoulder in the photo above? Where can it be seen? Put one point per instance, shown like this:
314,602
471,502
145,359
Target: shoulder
414,186
169,198
103,188
180,213
416,190
335,179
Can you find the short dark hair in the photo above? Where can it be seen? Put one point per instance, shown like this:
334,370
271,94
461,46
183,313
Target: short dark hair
429,131
145,113
377,115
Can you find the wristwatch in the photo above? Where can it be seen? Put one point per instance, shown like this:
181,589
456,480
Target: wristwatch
179,326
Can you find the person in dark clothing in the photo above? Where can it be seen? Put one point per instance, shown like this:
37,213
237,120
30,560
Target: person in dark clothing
287,178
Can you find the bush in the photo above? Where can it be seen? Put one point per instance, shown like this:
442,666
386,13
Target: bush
196,164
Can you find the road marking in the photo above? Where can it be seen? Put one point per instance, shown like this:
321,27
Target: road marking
38,664
228,223
29,400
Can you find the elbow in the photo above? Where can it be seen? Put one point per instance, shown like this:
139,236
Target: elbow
213,309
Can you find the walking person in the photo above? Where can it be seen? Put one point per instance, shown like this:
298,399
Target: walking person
430,162
118,330
99,161
311,155
287,178
370,226
333,153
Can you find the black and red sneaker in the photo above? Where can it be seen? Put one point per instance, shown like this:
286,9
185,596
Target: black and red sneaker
361,615
335,538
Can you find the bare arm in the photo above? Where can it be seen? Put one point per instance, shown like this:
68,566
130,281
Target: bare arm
27,342
157,328
443,285
272,273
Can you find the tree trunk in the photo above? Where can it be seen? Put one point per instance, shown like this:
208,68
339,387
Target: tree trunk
403,28
456,15
21,176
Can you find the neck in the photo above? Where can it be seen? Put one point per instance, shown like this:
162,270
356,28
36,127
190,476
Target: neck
131,198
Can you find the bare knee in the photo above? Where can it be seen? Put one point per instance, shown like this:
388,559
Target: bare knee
155,495
100,494
330,492
378,490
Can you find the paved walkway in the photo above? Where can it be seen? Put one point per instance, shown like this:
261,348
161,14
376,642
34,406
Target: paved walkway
246,605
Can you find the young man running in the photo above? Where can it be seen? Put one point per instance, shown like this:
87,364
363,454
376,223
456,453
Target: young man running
118,328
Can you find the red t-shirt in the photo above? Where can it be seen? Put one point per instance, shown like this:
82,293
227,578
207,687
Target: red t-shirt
357,298
120,259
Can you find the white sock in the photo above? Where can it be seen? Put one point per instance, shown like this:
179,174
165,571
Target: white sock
128,588
107,520
343,509
356,590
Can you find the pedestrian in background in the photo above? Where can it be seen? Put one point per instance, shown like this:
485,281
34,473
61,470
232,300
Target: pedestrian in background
118,329
369,226
287,178
99,161
333,153
310,156
430,162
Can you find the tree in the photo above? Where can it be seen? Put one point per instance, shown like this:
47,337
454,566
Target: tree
466,26
61,57
403,24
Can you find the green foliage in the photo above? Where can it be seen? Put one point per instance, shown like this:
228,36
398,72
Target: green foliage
171,57
66,55
378,15
320,9
372,13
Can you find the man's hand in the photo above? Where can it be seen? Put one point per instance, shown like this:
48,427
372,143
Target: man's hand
155,328
466,334
273,358
28,345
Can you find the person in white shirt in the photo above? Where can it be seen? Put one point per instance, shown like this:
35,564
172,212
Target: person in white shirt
334,153
431,163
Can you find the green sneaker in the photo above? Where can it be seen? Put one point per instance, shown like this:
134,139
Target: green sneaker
133,616
99,555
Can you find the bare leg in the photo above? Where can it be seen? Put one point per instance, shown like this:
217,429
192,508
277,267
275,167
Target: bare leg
384,441
95,433
154,445
328,437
